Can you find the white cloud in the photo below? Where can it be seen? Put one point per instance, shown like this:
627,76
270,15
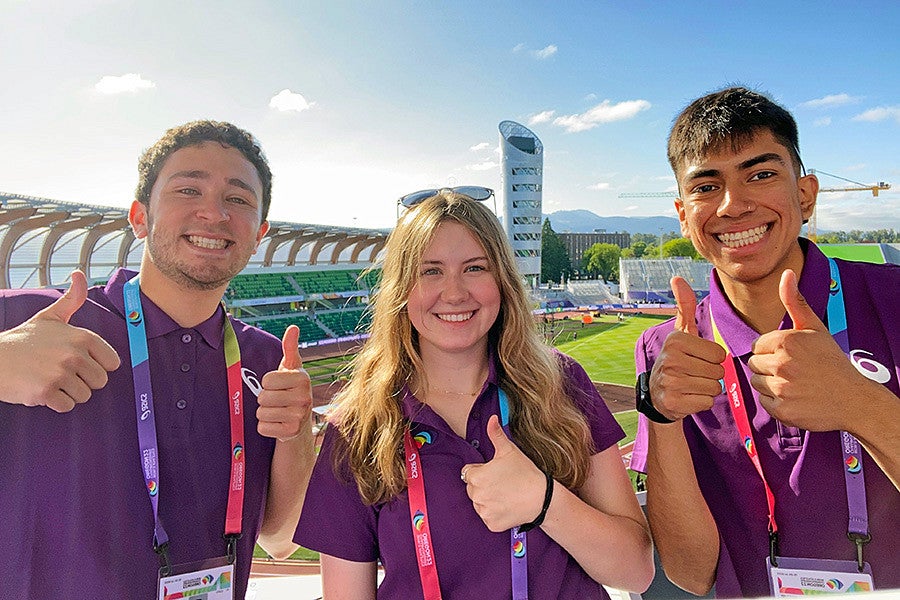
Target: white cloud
605,112
633,207
127,83
481,146
541,117
483,166
590,97
831,101
823,122
518,47
882,113
599,186
286,100
545,52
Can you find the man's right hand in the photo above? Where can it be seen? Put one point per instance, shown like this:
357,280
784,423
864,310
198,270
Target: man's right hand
47,362
686,376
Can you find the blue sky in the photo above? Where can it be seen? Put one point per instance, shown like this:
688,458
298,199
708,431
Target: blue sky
357,103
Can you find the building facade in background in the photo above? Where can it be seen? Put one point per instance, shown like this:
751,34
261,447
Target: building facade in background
577,243
520,195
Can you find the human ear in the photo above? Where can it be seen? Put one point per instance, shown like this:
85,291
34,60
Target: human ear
137,217
809,191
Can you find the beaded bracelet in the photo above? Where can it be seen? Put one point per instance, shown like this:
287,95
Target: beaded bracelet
548,495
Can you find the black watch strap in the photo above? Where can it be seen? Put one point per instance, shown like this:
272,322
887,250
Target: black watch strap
644,403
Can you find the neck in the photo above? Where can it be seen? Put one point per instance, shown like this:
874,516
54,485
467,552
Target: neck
449,383
186,306
757,301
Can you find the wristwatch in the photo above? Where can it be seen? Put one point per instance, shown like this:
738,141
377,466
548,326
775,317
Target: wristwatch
644,403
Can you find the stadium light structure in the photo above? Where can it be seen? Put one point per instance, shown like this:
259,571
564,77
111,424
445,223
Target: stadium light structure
521,192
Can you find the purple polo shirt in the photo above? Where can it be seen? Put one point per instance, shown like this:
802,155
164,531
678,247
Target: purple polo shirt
804,469
75,517
471,561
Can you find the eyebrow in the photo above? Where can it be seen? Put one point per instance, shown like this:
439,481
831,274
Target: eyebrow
465,262
199,174
747,164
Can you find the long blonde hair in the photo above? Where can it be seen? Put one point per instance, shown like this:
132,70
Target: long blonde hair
545,421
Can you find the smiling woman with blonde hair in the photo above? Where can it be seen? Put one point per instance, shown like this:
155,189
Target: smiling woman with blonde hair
460,431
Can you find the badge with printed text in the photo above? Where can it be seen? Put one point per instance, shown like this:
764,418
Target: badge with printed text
809,576
205,580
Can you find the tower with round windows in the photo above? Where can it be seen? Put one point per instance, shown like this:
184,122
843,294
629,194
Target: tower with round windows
522,176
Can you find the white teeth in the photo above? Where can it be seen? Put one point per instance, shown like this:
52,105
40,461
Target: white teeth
455,318
207,242
743,238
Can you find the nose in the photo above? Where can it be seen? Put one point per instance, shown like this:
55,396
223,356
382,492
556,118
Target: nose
734,203
455,289
212,209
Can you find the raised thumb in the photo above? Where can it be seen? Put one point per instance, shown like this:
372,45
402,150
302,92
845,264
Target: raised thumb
685,305
497,435
67,305
801,314
290,347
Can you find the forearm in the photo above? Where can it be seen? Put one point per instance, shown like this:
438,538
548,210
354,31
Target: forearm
613,550
877,427
291,468
683,527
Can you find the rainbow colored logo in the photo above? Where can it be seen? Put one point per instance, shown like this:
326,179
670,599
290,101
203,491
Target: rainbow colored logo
238,452
206,580
134,317
419,520
152,487
748,444
853,464
422,438
518,549
834,584
833,287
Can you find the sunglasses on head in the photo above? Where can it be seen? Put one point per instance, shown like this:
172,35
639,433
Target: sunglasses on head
472,191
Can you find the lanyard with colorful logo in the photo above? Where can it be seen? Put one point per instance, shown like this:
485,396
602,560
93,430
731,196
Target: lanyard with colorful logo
418,513
857,529
146,421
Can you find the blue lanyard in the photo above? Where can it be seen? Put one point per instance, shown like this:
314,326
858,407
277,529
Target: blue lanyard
143,402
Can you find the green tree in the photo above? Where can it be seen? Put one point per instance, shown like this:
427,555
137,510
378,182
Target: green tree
603,260
639,248
680,247
555,262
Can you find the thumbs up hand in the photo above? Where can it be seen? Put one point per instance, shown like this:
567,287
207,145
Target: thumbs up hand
285,402
685,376
509,489
47,362
803,377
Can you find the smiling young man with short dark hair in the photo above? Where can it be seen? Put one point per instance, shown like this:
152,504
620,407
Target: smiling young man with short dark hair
771,425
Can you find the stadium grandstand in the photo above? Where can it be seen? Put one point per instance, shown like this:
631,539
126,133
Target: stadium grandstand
308,275
647,280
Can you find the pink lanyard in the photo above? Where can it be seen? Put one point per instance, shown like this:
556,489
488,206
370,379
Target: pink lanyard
418,513
858,526
140,365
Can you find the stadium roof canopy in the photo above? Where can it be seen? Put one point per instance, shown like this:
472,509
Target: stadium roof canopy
42,241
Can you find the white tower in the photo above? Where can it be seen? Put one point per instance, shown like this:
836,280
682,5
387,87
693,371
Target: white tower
522,177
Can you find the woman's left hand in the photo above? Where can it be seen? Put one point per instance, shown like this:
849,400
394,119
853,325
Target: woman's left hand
508,490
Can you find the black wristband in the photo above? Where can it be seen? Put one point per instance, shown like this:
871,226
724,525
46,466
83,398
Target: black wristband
548,496
644,403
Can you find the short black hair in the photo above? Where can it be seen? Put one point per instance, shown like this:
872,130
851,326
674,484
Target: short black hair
732,116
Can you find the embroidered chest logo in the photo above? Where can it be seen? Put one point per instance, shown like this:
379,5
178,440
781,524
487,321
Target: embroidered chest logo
869,367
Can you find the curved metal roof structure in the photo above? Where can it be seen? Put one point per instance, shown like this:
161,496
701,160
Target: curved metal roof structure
42,241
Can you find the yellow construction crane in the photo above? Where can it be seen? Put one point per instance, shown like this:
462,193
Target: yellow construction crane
858,187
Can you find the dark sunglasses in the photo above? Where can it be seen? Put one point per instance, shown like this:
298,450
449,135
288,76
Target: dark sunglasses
472,191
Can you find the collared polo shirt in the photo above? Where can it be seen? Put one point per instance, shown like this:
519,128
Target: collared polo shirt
803,468
75,517
472,562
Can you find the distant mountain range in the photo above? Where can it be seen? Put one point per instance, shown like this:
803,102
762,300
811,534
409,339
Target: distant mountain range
584,221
